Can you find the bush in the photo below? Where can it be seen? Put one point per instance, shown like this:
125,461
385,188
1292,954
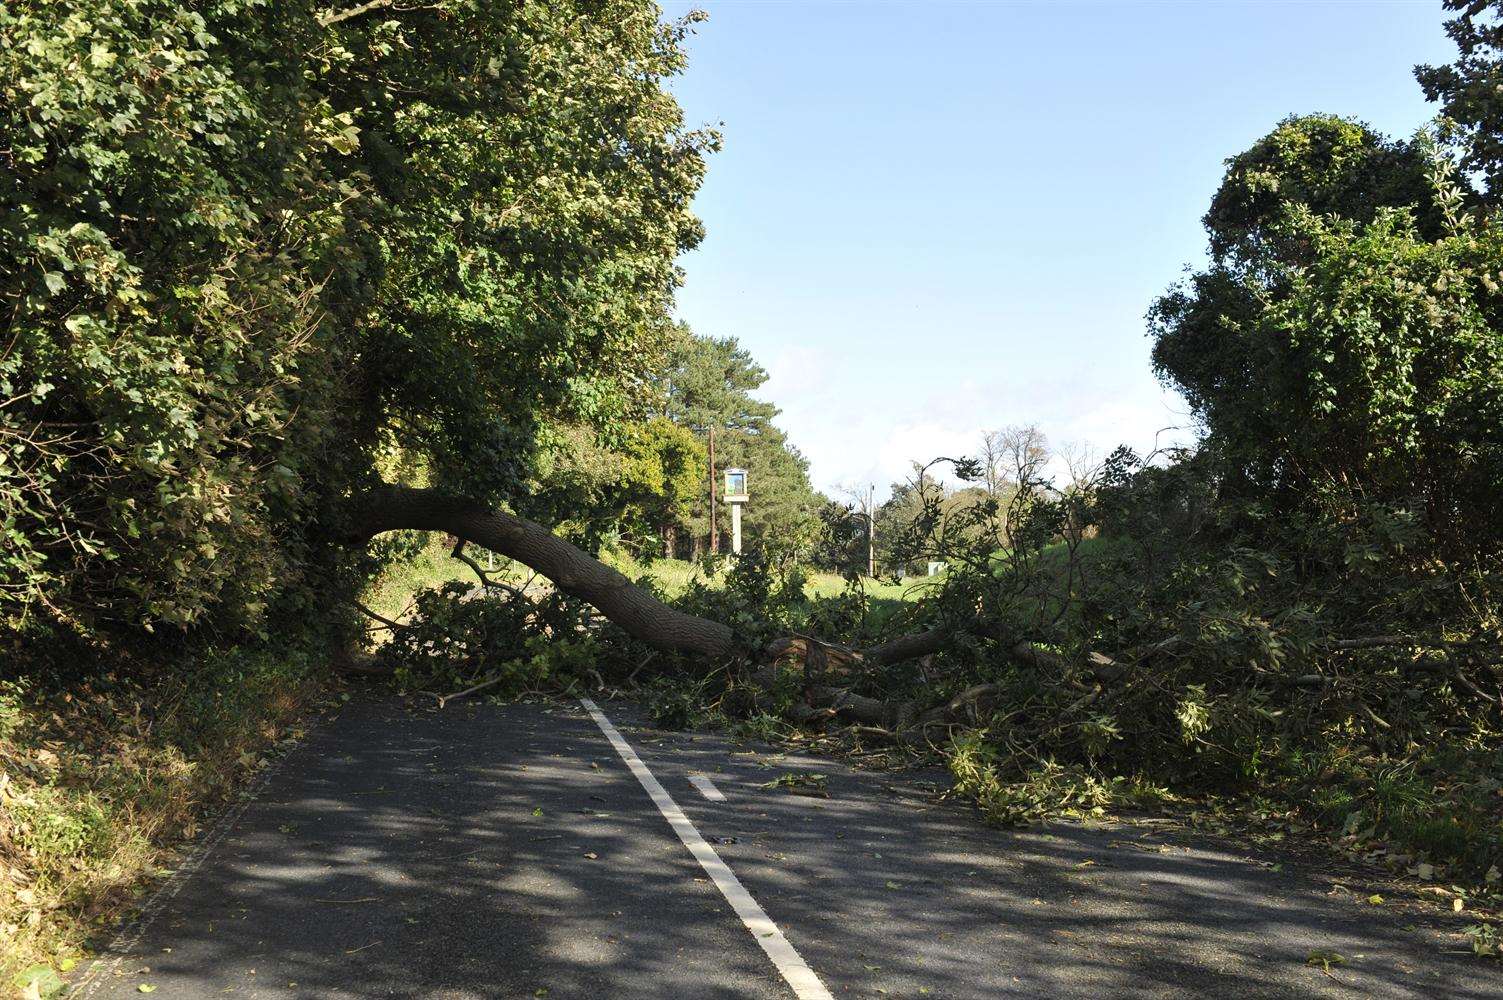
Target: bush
164,263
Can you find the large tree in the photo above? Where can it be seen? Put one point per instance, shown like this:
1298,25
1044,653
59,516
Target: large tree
1343,344
1470,90
709,387
252,251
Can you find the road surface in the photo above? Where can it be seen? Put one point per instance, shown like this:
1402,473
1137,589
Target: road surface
514,851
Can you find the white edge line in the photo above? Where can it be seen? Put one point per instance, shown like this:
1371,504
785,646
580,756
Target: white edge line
806,985
706,787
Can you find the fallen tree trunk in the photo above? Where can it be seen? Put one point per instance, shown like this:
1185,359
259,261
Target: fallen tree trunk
909,647
638,613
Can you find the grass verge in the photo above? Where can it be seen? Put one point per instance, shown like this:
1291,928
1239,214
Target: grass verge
104,779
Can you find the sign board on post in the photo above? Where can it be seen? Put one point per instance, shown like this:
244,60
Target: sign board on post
735,486
735,495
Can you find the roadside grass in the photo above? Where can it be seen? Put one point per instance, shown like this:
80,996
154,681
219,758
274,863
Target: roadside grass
673,576
1442,803
431,566
102,778
391,592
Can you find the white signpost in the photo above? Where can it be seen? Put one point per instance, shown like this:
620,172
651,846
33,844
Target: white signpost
735,495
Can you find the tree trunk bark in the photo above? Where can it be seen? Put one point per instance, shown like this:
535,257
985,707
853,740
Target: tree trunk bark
639,614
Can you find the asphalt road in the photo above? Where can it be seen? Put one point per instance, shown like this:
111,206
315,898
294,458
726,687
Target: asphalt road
508,851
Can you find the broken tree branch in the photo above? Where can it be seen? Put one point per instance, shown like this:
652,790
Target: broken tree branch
393,625
444,699
485,580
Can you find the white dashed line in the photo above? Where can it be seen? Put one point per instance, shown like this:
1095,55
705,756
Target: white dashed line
806,985
706,787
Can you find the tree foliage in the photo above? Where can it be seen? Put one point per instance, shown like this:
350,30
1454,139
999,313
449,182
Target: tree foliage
252,248
1341,346
709,385
1468,90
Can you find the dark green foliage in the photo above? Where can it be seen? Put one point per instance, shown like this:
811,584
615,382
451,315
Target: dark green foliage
1329,165
679,702
643,483
840,539
636,492
161,262
1468,90
1351,358
458,638
709,384
663,481
254,253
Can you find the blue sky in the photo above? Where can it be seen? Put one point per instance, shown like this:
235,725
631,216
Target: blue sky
931,219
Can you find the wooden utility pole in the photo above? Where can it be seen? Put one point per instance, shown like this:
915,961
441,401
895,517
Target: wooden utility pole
714,535
871,533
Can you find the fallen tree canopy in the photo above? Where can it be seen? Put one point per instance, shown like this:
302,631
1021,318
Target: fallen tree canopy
825,676
821,665
825,671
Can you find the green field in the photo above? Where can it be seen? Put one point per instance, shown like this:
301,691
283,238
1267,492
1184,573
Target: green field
433,567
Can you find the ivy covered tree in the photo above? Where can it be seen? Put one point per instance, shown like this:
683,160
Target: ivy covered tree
1344,341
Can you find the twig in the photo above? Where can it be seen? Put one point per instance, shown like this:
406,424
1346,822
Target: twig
645,660
443,698
485,580
1374,641
334,17
393,625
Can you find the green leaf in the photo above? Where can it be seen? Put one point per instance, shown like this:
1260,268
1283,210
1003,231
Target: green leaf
41,980
1324,959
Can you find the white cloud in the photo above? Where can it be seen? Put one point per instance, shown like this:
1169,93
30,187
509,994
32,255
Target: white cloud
878,443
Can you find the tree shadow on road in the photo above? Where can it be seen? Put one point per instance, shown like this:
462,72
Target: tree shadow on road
501,851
